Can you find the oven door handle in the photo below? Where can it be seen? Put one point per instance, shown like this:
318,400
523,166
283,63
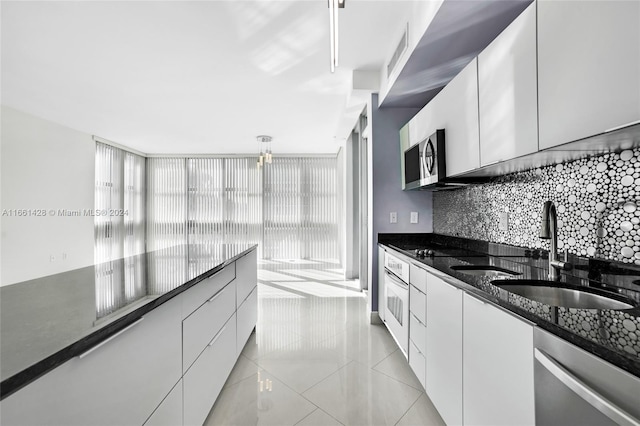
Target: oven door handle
396,281
590,395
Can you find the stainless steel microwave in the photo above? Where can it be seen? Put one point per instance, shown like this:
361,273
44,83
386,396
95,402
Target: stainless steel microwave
424,163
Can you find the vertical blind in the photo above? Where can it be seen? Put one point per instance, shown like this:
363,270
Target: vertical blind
171,205
300,214
166,222
288,207
119,227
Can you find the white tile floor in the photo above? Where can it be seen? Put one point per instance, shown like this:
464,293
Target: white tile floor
316,360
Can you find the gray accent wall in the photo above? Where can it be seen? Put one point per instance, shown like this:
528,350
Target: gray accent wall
385,184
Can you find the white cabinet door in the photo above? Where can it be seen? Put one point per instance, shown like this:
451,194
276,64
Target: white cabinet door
508,95
588,68
497,366
199,328
169,413
205,379
119,383
197,295
444,349
247,316
455,109
246,275
417,363
382,299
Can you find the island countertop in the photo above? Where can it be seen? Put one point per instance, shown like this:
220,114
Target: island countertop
47,321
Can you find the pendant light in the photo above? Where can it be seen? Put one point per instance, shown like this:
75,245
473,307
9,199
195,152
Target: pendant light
265,156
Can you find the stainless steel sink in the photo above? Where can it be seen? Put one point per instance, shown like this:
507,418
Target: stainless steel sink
559,294
489,270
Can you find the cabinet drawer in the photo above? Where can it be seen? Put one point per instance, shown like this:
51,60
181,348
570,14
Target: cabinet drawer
200,327
418,363
418,333
120,382
418,278
246,276
206,377
418,304
193,298
247,316
169,412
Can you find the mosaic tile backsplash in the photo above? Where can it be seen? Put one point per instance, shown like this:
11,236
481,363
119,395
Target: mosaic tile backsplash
597,201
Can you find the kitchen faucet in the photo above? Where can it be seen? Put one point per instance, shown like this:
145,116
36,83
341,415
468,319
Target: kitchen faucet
549,231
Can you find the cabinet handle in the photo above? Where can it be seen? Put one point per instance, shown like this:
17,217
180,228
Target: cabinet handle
215,296
104,342
217,336
591,396
417,319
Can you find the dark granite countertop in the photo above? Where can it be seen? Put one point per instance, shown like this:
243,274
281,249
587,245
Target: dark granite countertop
613,335
47,321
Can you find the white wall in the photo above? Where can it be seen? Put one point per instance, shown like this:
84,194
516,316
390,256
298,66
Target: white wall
51,167
419,18
385,185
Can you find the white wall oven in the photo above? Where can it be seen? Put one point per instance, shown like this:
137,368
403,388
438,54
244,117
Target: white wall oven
396,300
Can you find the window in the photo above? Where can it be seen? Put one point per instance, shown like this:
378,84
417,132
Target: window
119,228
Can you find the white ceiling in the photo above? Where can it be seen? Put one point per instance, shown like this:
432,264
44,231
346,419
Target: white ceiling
193,77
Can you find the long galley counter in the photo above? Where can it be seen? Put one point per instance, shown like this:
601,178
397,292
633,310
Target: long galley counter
608,333
149,339
488,353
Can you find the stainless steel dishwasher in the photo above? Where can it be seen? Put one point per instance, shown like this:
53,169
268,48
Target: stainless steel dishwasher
574,387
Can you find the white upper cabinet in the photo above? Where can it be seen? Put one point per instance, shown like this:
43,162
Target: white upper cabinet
507,86
588,68
455,109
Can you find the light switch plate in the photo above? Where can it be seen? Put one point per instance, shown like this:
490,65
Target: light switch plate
414,217
393,217
503,225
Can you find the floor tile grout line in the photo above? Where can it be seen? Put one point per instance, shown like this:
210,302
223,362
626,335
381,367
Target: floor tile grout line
410,407
382,360
317,408
398,380
341,368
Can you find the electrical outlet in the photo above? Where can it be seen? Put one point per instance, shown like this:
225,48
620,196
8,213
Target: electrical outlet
393,217
503,225
414,217
52,258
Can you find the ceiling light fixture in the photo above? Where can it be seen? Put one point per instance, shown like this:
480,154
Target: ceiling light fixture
334,5
265,150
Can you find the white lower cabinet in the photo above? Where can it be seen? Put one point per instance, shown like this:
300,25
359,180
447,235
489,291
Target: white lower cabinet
246,276
120,382
199,328
169,412
497,366
165,369
205,379
247,316
444,349
417,319
417,362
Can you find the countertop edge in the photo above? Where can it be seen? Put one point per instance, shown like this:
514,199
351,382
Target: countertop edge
600,351
16,382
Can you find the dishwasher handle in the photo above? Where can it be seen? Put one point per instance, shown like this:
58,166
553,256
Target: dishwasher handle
581,389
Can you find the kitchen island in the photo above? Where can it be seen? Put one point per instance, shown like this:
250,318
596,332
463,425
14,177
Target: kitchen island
75,346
